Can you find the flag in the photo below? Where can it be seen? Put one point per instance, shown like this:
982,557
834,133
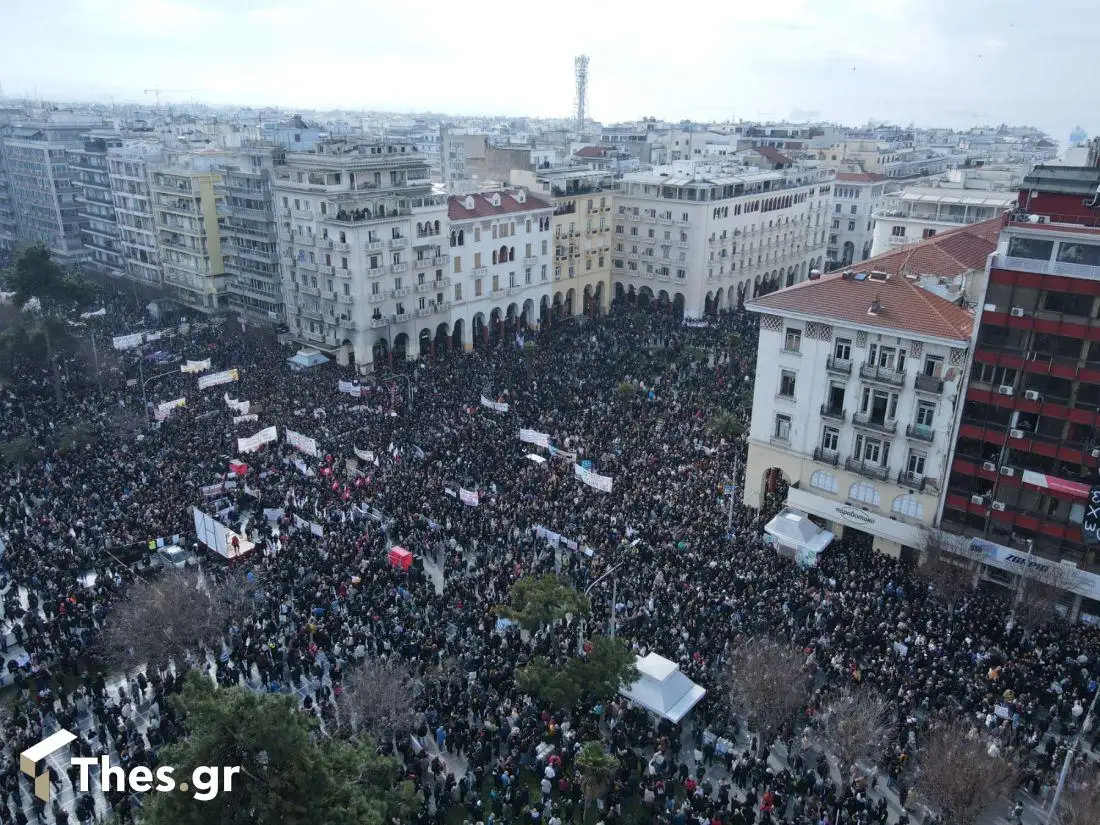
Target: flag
237,466
469,497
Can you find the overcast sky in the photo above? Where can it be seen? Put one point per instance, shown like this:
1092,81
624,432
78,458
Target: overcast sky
949,62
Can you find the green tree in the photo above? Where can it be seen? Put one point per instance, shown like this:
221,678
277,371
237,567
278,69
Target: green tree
37,275
597,676
597,768
537,601
288,775
726,425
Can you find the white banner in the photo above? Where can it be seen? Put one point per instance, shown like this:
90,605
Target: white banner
218,537
470,497
211,490
96,314
251,491
196,366
493,405
239,407
593,480
534,437
240,419
273,513
218,378
164,409
302,442
253,443
349,388
366,455
128,341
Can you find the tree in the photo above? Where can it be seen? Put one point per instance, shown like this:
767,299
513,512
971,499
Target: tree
34,338
1080,804
37,275
726,426
597,767
287,774
626,389
537,601
961,777
169,618
768,685
1039,596
857,725
377,699
946,566
597,675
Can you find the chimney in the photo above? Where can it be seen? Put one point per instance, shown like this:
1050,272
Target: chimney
876,307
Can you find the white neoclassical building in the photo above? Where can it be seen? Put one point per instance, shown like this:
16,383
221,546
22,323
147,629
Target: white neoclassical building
856,402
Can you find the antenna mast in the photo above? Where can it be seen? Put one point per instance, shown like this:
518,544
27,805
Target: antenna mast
581,68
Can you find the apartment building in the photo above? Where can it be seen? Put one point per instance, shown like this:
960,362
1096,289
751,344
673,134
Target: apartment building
581,268
96,210
128,171
249,230
857,382
705,237
40,182
9,225
857,196
500,259
891,158
1023,482
362,250
185,213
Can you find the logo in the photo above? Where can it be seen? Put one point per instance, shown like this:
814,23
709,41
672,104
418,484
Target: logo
29,759
855,515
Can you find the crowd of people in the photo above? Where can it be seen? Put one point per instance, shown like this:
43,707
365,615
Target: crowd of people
635,393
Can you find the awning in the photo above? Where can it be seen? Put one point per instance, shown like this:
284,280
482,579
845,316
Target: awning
795,533
663,689
306,358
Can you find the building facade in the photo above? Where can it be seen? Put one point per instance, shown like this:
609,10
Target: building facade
98,224
857,196
9,225
1028,449
705,237
920,212
249,233
185,212
361,235
857,379
500,264
128,171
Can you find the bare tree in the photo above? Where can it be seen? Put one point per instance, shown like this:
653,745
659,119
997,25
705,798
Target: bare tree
1039,595
1081,800
768,685
168,618
946,566
962,777
377,699
857,725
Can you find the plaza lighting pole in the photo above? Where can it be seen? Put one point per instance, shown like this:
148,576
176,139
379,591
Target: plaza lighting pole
614,594
1085,725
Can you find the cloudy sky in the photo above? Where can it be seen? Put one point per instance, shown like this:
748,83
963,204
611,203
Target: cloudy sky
950,62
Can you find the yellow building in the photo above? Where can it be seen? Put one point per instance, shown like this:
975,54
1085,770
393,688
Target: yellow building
185,210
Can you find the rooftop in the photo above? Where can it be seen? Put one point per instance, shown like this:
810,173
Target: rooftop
1064,180
957,196
860,177
772,155
491,204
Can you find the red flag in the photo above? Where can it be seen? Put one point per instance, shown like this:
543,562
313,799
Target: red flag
237,466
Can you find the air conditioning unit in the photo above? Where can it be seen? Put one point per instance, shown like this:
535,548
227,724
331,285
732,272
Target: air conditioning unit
1004,389
1018,312
977,499
990,307
989,466
1033,395
1015,433
998,505
1096,453
1008,471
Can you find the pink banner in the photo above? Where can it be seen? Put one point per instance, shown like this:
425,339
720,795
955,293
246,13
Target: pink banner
1059,485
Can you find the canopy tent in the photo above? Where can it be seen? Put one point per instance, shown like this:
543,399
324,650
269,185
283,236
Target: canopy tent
797,537
306,358
663,689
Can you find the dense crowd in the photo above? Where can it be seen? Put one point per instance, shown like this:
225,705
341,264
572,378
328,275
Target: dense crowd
634,393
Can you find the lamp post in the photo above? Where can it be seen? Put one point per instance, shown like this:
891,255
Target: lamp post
145,382
408,384
1085,725
614,594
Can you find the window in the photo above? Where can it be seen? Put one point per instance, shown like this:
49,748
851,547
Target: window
854,210
830,439
822,480
933,366
898,231
908,506
477,234
865,494
477,260
458,263
786,383
1032,248
868,449
915,465
928,233
347,288
926,414
851,226
496,283
344,263
477,288
782,430
792,342
838,209
842,349
397,283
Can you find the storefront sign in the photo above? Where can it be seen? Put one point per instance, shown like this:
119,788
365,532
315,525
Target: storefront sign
1020,563
843,513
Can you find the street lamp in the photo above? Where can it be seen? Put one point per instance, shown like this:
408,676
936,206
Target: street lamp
1085,725
408,384
614,596
145,381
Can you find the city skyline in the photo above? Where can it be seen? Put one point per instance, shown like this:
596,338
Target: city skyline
851,61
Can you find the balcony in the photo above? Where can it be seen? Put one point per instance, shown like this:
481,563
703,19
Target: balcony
912,480
871,422
496,293
343,273
341,247
377,272
377,297
532,261
401,317
310,290
378,323
304,240
310,265
883,375
928,383
920,432
433,286
397,269
423,312
401,293
868,470
1047,267
440,260
479,271
830,457
348,323
440,307
374,246
330,296
834,413
397,243
347,299
421,263
840,366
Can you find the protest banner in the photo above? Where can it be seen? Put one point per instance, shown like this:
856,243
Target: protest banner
216,378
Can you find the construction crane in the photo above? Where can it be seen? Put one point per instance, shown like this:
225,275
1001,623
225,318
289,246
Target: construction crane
159,91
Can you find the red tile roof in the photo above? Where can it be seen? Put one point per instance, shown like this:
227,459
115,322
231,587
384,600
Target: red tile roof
771,154
590,152
905,306
483,208
859,177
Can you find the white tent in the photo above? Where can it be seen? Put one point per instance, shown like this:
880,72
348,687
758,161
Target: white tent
796,535
663,689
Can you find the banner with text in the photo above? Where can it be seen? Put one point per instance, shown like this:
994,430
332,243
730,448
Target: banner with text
593,480
196,366
240,419
494,405
164,409
349,388
253,443
128,341
534,437
469,497
224,377
366,455
239,407
556,453
302,442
